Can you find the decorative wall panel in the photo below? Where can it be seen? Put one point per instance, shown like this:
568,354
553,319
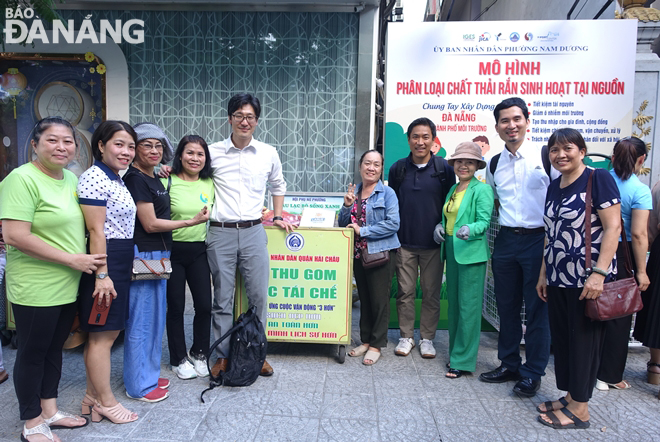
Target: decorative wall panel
302,66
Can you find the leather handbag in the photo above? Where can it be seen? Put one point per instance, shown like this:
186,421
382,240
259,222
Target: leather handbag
620,298
370,260
148,269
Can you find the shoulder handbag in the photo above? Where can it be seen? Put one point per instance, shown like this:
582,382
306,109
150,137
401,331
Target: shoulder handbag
370,260
619,298
146,269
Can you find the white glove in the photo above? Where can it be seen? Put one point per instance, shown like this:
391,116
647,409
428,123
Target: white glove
463,233
439,234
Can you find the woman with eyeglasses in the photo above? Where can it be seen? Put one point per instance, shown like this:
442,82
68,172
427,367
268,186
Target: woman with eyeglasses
465,220
627,161
153,240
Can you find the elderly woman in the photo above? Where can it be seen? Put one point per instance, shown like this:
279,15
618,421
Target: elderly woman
191,188
627,160
566,280
45,231
372,210
465,219
153,240
110,218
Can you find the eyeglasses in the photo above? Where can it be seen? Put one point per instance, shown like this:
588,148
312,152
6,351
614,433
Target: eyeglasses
149,146
452,200
240,117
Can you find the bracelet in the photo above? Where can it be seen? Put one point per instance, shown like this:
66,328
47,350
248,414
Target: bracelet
278,218
599,271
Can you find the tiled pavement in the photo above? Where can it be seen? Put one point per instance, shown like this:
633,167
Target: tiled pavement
312,397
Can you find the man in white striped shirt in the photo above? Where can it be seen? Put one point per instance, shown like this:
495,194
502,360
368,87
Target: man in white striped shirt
242,166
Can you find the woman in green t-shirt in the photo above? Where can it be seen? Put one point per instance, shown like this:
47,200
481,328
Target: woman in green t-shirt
191,188
44,230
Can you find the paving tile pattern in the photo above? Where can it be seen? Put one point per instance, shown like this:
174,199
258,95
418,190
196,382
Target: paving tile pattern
311,397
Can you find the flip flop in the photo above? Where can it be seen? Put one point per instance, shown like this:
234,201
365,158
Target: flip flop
626,385
59,415
358,351
556,423
604,386
548,405
42,429
372,356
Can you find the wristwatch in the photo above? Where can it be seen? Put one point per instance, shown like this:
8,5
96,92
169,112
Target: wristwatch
101,275
278,218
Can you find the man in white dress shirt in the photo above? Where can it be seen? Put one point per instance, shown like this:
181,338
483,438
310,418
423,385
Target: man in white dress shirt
242,166
519,180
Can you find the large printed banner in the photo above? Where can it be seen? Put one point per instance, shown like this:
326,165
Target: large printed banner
310,287
577,73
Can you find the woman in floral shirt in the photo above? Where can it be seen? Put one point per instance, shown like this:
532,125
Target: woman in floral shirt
566,280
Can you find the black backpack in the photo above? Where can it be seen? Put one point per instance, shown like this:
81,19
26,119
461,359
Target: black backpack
545,158
396,179
247,353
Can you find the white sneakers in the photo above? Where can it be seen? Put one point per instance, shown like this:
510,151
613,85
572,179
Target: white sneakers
426,349
404,346
199,362
185,369
191,367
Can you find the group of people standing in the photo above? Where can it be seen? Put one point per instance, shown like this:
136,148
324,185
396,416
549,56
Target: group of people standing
55,272
425,219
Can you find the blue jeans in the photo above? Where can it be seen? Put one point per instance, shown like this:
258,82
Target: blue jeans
143,344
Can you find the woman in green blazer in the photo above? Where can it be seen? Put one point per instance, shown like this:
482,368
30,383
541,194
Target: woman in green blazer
465,218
